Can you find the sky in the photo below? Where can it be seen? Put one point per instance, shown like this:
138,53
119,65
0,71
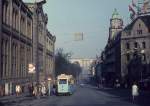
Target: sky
91,17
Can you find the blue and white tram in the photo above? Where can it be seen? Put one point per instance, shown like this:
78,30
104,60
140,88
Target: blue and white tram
65,84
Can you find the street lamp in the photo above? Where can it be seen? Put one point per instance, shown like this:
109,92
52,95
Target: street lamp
49,85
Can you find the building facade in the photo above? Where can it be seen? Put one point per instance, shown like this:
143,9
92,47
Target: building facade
111,53
126,56
24,40
135,49
85,64
16,45
43,44
50,55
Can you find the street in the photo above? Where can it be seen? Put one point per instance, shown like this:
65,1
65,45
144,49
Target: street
86,95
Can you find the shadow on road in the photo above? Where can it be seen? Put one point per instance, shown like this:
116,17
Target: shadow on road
125,94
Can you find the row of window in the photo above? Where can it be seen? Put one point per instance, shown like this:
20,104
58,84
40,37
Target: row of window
17,66
128,57
136,45
49,64
17,18
49,45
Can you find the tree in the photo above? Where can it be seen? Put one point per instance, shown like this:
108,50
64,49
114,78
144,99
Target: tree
63,65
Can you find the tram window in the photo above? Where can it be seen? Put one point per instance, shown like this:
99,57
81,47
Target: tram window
62,81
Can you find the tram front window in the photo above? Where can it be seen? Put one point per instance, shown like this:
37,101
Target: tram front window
62,81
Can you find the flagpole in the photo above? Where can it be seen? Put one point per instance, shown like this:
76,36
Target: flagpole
139,7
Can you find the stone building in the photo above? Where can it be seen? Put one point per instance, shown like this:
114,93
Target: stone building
43,43
135,49
50,55
24,40
127,54
85,64
15,44
111,53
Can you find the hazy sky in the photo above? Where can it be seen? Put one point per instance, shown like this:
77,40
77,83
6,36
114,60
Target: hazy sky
92,17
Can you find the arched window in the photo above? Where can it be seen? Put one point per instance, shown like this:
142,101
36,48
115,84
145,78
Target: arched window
6,58
127,46
16,21
135,44
13,23
4,13
13,57
2,55
7,14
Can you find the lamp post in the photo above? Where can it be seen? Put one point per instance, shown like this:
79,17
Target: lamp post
49,86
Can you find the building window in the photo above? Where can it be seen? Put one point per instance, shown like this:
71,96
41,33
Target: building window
144,45
23,25
29,29
13,19
2,55
135,45
139,25
128,57
139,32
143,57
127,45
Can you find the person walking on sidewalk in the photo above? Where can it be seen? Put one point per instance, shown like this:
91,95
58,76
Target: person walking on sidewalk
135,91
18,90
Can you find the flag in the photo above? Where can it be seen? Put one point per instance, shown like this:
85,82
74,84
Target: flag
133,13
138,7
134,4
131,9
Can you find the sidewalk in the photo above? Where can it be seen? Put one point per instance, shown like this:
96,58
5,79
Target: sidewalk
14,98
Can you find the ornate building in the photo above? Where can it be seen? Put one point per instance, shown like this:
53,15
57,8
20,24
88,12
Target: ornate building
15,44
85,64
126,56
50,55
135,49
43,43
116,25
112,50
24,40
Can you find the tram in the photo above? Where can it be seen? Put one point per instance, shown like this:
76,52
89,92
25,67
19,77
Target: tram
65,84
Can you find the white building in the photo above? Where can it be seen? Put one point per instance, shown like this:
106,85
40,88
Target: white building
85,64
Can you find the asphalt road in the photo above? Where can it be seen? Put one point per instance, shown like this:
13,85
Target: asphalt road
85,96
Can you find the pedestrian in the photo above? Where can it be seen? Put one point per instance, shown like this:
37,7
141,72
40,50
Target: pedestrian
54,89
35,90
135,91
43,90
18,90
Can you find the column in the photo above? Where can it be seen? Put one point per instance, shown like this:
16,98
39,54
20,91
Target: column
19,44
0,36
